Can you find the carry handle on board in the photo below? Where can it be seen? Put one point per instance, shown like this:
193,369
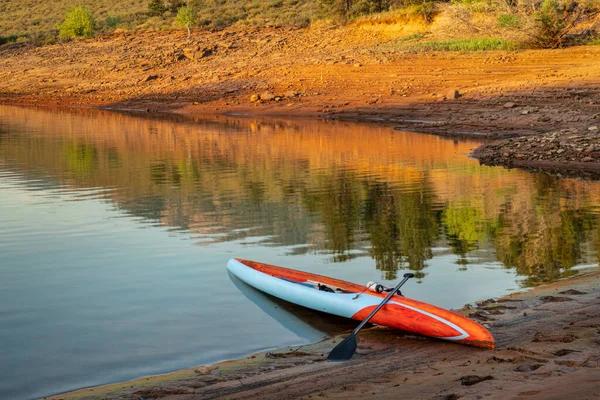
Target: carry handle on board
346,348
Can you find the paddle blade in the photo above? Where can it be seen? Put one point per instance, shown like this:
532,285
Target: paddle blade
344,350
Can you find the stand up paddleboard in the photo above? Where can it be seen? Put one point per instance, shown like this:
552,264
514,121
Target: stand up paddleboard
350,300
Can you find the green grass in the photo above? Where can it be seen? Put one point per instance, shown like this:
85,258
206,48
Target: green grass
412,38
466,45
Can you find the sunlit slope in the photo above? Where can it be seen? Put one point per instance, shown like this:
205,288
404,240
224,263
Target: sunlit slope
19,17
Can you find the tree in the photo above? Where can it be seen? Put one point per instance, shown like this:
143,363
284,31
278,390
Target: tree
79,22
156,8
186,17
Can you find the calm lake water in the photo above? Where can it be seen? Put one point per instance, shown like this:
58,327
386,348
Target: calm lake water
115,230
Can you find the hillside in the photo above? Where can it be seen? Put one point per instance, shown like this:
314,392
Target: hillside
36,18
471,24
29,17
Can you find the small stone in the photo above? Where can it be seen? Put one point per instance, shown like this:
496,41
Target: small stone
150,78
593,128
509,104
453,94
524,112
587,159
254,98
357,65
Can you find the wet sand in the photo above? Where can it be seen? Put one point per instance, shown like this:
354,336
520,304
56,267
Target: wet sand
548,347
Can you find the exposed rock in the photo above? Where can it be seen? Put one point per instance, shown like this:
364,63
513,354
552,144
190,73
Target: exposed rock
150,78
567,147
471,380
267,96
509,104
453,94
196,53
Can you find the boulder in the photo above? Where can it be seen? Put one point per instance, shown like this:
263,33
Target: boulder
267,96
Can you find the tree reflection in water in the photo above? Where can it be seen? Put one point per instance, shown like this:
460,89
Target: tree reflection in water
341,189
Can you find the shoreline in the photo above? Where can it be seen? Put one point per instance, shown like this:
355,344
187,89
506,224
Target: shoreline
548,347
311,73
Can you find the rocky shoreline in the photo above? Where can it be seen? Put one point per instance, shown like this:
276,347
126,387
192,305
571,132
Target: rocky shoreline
567,152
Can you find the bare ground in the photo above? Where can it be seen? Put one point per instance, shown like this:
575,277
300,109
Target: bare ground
548,347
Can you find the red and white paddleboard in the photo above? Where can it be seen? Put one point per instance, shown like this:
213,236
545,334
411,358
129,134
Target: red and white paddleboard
350,300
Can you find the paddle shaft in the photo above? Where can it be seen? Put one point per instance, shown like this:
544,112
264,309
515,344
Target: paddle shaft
390,294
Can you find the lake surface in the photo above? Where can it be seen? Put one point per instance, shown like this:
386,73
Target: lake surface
115,231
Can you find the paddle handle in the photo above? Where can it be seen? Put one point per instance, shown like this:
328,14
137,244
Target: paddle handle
390,294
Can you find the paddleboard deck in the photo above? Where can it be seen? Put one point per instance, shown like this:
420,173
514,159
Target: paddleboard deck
354,301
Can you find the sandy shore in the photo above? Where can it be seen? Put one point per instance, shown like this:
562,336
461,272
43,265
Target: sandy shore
548,347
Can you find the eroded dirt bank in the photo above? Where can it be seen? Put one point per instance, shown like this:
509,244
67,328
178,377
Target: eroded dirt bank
548,347
355,72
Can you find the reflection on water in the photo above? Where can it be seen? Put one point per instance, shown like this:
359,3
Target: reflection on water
116,226
331,188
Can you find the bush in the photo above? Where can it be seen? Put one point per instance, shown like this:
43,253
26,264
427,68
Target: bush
156,8
175,5
554,21
78,23
510,21
111,22
8,39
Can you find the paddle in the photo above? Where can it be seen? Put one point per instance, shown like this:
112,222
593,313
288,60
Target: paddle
346,348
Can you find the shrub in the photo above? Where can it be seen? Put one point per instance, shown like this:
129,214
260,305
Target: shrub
8,39
554,20
111,22
175,5
510,21
78,23
156,8
186,17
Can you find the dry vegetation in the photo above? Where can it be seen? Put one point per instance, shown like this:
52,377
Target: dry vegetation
30,17
463,25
